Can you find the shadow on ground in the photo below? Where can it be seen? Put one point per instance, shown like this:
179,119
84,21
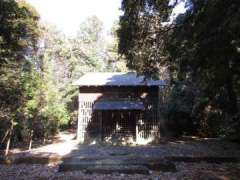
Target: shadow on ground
67,155
144,159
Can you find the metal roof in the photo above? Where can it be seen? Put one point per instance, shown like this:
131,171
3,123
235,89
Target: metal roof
118,105
116,79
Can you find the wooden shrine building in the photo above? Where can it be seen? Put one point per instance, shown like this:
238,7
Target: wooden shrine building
119,107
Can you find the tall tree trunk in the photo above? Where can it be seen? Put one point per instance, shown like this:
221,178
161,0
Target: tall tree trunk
9,140
5,136
233,107
30,140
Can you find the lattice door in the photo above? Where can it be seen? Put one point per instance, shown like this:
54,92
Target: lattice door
118,124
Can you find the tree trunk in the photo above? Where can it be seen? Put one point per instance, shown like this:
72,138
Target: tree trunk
5,136
9,140
30,140
233,107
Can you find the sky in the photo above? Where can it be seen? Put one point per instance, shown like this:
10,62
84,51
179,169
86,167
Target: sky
178,9
67,15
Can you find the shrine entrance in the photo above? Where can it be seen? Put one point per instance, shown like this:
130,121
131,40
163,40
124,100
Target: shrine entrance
119,124
118,120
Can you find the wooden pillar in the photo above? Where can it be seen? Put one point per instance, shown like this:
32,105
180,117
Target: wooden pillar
137,116
139,132
100,125
80,136
159,99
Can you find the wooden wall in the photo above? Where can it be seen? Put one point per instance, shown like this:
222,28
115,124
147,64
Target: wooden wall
147,122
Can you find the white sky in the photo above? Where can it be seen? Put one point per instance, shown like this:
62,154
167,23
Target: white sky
178,9
67,15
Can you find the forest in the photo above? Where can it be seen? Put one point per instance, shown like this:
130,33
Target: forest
37,66
197,53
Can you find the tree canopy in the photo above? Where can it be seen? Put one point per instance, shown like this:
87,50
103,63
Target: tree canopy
19,35
18,30
200,49
37,67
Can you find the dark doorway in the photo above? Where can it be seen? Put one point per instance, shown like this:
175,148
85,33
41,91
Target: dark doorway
119,124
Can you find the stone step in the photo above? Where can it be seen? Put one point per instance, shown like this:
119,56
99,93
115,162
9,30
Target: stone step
117,165
104,169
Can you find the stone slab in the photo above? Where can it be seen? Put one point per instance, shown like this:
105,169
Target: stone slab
130,169
149,164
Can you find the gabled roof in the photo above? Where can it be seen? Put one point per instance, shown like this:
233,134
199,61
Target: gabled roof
116,79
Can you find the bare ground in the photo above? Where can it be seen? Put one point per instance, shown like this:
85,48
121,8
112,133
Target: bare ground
196,171
67,146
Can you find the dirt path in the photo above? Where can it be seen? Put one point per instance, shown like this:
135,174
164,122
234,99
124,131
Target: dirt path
61,145
66,146
65,143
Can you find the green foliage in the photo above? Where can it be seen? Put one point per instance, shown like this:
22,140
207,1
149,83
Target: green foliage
115,62
37,67
90,31
200,49
18,39
18,32
210,60
65,59
178,110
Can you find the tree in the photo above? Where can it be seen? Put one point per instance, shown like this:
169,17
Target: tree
200,49
91,41
37,66
18,31
55,55
115,62
209,58
90,31
63,60
142,35
18,39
